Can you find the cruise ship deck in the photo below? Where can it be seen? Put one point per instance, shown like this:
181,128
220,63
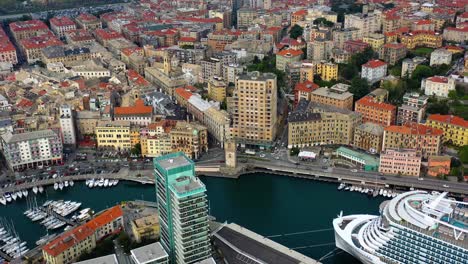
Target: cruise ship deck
414,227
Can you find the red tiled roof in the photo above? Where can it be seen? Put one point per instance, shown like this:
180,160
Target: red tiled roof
28,25
187,39
290,52
183,92
61,21
85,17
40,42
370,102
439,79
139,109
374,64
449,119
423,22
450,47
68,240
306,86
107,34
104,218
464,15
300,13
79,35
136,78
414,129
394,46
131,50
25,103
6,46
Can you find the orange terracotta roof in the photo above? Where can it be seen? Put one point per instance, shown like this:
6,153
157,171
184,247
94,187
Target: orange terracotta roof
370,102
300,13
28,25
374,64
423,22
106,217
449,119
139,109
184,93
187,39
68,240
290,53
136,78
61,21
306,86
129,51
439,79
394,46
415,129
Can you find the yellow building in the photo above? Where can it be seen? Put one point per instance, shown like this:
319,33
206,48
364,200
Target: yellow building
254,105
327,70
190,138
375,40
134,135
114,135
217,89
306,72
314,124
424,38
155,146
67,247
146,228
455,128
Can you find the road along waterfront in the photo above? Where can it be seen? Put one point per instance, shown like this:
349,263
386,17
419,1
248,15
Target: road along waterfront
293,211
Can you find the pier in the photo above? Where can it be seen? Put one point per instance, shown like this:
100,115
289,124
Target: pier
124,174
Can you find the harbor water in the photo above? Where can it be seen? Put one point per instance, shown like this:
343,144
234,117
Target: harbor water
295,212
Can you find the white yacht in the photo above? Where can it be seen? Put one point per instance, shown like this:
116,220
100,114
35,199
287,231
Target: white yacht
25,193
3,200
56,186
41,189
66,184
71,183
34,189
101,182
106,183
61,185
413,227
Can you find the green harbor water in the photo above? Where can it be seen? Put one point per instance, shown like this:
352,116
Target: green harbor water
295,212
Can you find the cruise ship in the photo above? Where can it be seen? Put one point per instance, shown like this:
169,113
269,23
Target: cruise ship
414,227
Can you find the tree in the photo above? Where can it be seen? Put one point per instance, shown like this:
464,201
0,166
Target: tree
359,87
395,70
395,91
348,71
421,72
294,151
436,106
223,104
296,31
323,21
463,154
360,58
256,60
136,150
304,50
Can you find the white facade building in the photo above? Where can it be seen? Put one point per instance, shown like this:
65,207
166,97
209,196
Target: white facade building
374,70
30,149
441,56
366,23
67,125
438,86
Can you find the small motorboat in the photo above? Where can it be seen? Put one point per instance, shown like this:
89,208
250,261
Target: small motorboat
13,195
41,189
3,200
25,193
56,186
71,183
61,186
19,194
66,184
34,189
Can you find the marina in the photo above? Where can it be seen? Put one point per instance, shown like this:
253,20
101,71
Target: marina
291,202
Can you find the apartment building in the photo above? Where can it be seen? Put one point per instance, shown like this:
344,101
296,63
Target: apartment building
455,128
65,54
319,50
210,67
336,96
145,228
438,165
374,70
375,40
368,136
397,161
189,138
230,72
27,29
458,34
420,38
217,89
86,122
113,134
408,65
7,49
32,47
181,197
339,37
107,223
67,125
287,56
375,111
314,124
327,70
218,40
391,53
139,114
245,17
440,56
79,36
303,91
31,149
413,108
88,22
217,122
366,23
254,110
438,86
61,25
425,139
391,23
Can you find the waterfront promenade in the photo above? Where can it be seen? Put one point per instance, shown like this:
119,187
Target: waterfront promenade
124,174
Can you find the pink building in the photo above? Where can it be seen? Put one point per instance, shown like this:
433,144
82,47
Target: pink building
400,161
